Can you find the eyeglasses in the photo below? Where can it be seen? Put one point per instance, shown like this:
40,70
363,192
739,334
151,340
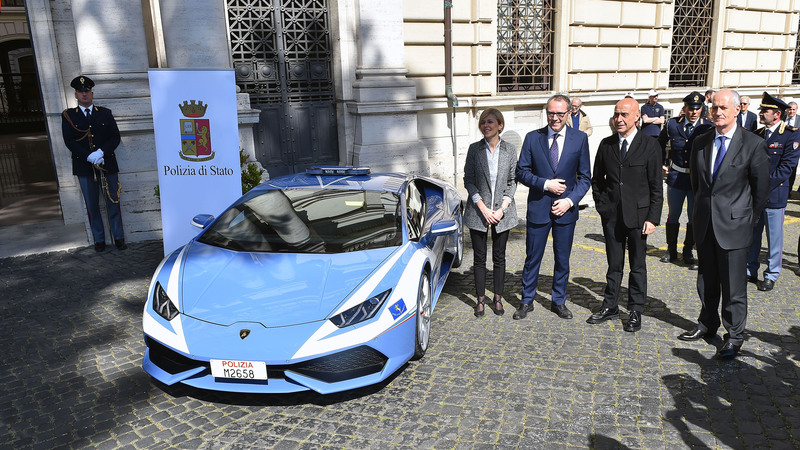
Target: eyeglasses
560,115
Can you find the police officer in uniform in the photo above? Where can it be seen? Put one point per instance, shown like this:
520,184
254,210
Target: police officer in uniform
652,115
782,146
91,134
680,132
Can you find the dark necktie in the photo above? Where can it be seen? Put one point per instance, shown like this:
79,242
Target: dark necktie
88,112
720,154
689,129
768,134
624,150
554,151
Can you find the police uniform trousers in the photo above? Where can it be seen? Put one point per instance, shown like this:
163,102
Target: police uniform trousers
772,220
92,190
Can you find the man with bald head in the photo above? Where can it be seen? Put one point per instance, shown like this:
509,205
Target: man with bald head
628,195
729,171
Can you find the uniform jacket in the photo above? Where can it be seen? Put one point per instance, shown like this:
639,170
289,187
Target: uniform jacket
535,167
680,148
782,149
732,204
477,180
105,136
750,121
584,125
632,186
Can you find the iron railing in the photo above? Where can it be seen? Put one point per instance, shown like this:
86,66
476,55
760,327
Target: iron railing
20,101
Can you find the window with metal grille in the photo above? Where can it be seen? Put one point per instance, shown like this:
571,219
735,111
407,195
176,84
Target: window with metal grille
796,68
281,49
524,45
691,38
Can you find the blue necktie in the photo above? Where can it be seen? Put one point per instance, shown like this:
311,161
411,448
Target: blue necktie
767,134
624,150
720,154
554,151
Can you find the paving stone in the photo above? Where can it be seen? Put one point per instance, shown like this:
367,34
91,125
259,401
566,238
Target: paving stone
72,372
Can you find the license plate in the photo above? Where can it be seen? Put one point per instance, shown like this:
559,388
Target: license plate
240,370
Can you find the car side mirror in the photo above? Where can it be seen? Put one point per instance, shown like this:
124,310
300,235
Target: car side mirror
202,220
444,227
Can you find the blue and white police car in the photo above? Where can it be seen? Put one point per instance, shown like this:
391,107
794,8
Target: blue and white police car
322,281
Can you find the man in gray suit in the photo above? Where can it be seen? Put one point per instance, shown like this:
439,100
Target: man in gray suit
729,171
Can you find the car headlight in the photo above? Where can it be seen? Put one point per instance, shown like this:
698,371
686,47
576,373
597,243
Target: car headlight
360,312
162,305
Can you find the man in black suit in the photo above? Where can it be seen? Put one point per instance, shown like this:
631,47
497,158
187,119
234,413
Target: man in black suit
628,195
91,134
729,171
747,119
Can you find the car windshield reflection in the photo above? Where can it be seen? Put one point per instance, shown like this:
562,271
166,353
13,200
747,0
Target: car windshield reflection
309,221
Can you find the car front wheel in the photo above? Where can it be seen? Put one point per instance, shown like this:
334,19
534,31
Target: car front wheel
423,333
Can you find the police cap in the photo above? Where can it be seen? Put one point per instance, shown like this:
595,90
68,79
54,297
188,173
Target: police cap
82,83
770,102
695,100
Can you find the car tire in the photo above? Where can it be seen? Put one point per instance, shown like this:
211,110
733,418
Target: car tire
422,332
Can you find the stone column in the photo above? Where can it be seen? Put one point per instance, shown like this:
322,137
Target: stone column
385,105
112,45
195,34
195,38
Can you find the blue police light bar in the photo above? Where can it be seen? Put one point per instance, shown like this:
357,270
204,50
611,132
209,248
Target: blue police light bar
337,170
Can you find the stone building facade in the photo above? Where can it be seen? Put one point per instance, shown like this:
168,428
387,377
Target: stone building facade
364,82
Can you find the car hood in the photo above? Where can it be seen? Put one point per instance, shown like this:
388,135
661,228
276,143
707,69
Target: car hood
275,289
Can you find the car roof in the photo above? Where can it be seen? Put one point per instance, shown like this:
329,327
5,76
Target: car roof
384,182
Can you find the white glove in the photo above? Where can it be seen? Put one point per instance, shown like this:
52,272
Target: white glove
100,161
94,156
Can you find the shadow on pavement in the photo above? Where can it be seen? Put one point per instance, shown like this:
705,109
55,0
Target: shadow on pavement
739,403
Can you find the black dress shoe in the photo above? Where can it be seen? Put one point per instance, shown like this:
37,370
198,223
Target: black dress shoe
121,245
694,334
99,246
752,279
669,257
690,261
728,351
561,310
634,322
523,311
766,285
603,315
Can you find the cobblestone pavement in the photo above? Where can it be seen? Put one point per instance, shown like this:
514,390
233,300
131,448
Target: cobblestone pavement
72,376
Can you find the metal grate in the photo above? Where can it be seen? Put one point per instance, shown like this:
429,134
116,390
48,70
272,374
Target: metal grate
796,68
281,49
524,45
691,39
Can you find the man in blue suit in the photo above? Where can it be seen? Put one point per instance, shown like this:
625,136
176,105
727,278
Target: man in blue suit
554,164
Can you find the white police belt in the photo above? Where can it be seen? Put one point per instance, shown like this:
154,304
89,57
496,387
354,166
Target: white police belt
676,168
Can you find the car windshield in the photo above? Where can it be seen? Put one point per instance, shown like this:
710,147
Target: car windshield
309,221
